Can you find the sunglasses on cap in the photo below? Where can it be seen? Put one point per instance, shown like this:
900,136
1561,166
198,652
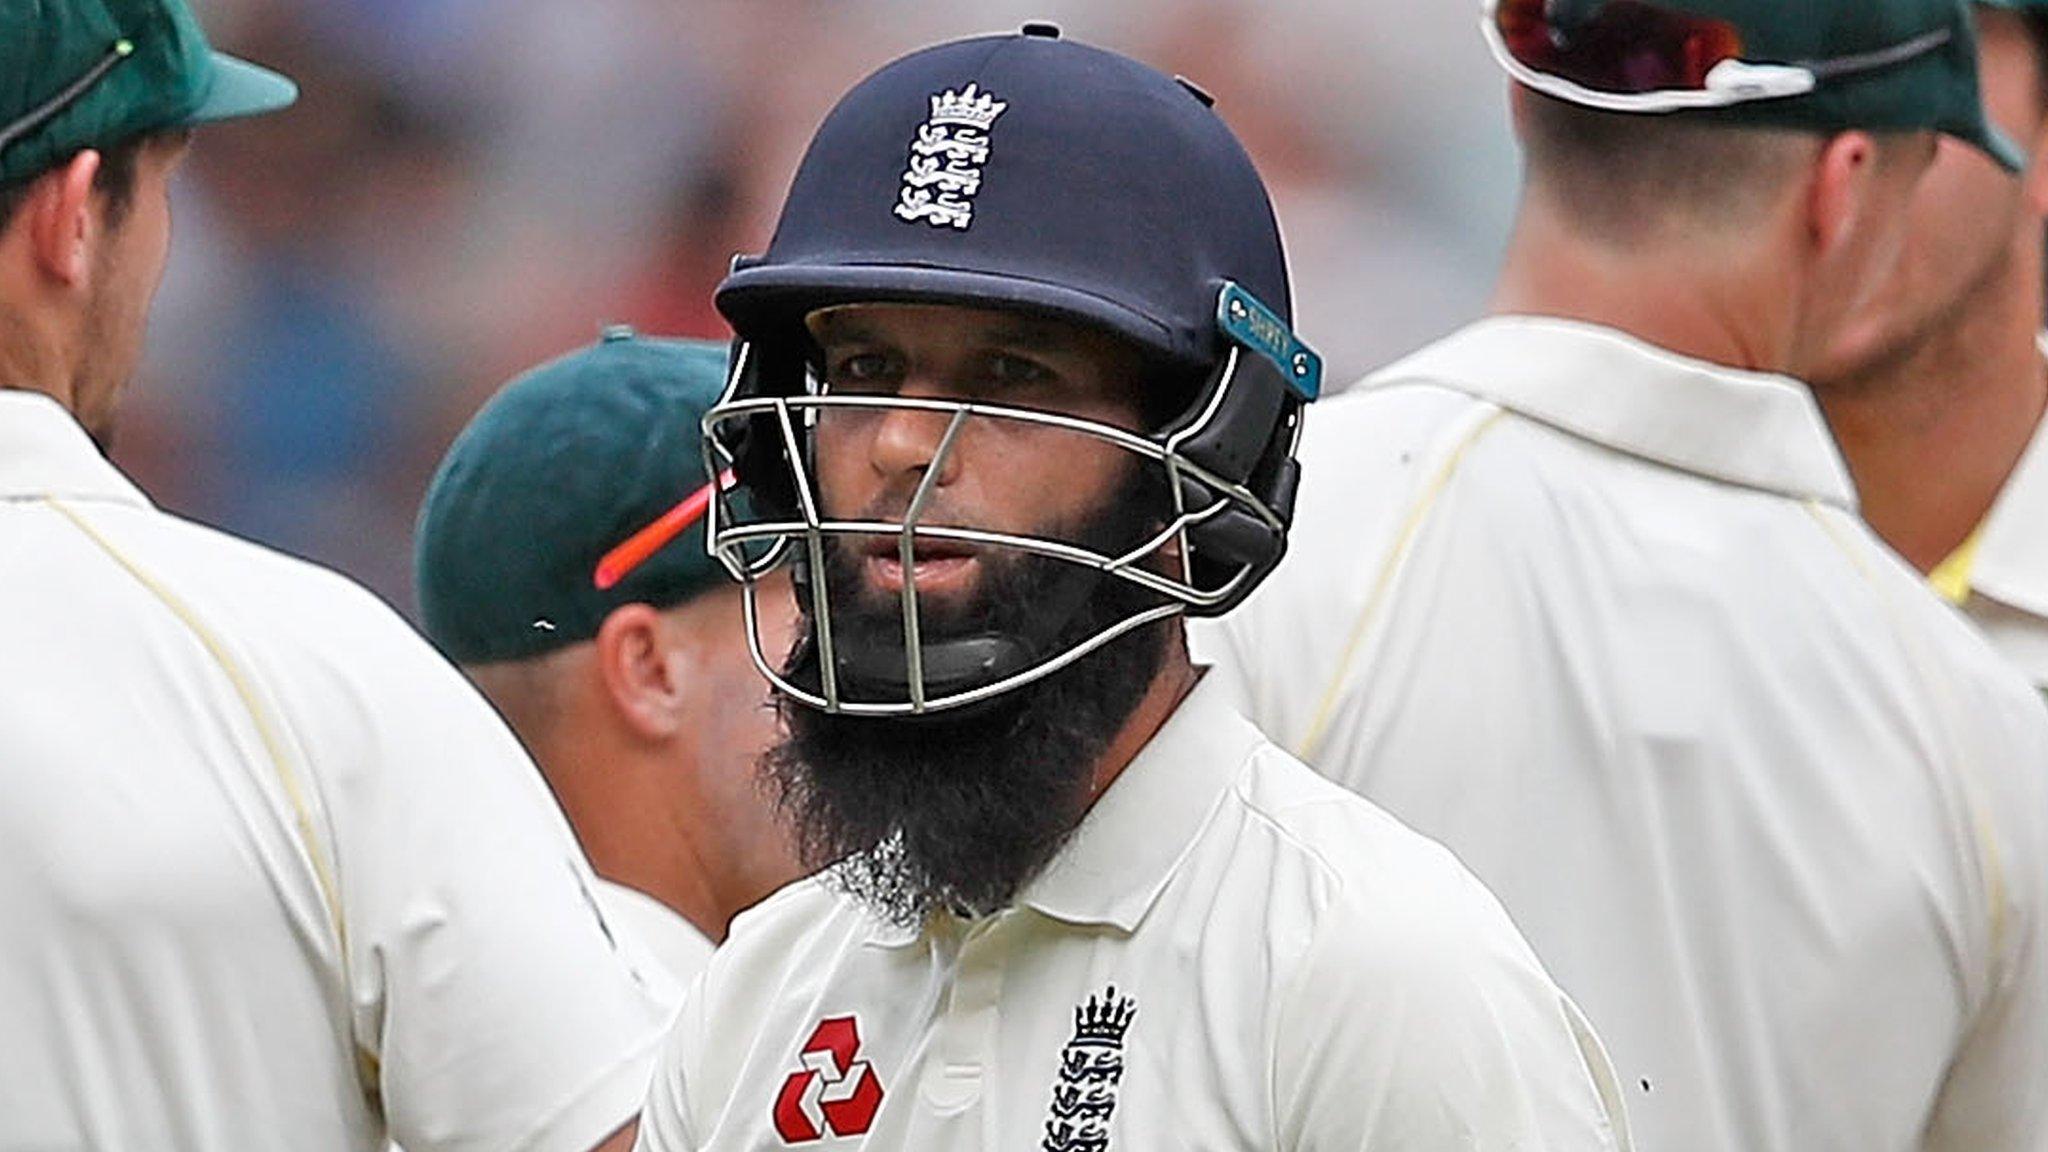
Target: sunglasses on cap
1632,56
641,546
71,94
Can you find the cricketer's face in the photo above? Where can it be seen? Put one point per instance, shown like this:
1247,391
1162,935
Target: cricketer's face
1968,222
128,266
997,475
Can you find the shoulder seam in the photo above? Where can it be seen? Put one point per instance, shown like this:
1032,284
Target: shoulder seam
1292,985
1395,562
1990,854
267,728
1271,818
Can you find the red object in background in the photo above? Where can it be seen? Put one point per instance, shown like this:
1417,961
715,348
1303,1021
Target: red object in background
1628,46
619,563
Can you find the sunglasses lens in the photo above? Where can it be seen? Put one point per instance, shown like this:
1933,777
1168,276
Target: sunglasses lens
1626,47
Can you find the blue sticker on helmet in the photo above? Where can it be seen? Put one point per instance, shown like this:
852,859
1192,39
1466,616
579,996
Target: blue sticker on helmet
1242,318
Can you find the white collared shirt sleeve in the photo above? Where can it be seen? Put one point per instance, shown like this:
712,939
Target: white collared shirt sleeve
1980,1106
665,1124
486,983
1994,1095
1402,1029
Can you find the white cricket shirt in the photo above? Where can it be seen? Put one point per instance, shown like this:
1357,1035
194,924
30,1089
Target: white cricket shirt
1603,620
271,873
2008,582
1231,954
670,939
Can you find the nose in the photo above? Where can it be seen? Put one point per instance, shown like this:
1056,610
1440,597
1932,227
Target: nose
908,440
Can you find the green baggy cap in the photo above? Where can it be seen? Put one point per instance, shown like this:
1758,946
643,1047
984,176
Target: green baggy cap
559,468
1851,45
78,74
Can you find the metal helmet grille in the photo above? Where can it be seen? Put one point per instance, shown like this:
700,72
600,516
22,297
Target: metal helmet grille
770,442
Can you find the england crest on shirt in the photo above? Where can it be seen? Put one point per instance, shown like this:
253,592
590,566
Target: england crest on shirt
1091,1069
947,157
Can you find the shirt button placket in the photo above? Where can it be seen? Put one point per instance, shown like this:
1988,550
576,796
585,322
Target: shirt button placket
968,1028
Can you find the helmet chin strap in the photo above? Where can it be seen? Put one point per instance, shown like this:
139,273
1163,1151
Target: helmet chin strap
880,673
951,666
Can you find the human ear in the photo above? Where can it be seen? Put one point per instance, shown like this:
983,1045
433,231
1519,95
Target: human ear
1840,191
641,677
62,225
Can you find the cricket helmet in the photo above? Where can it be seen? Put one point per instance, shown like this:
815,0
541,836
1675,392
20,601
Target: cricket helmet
1031,174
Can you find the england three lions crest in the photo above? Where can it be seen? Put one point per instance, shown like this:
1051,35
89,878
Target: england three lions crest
1091,1069
947,157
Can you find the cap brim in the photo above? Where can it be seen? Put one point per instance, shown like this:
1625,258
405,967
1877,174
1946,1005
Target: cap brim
1995,144
243,89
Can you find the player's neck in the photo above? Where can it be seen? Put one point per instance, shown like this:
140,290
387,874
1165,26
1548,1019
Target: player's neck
1176,678
640,823
1660,293
30,360
1932,436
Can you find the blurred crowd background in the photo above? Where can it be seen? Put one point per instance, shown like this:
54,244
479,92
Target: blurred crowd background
472,186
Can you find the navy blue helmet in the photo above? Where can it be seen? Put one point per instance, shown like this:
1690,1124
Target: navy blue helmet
1032,174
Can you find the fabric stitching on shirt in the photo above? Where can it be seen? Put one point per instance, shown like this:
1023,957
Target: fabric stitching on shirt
1296,978
1397,557
368,1066
1990,856
1332,875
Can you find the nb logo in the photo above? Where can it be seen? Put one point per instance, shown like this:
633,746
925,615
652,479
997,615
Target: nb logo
835,1094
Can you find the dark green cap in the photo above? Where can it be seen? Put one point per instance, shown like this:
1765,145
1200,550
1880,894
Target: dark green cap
559,468
1873,75
78,74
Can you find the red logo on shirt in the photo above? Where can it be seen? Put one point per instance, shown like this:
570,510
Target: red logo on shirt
834,1093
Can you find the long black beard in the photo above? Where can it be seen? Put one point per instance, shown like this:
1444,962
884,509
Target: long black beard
960,811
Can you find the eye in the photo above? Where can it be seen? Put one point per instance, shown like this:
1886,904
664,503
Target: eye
860,371
1011,371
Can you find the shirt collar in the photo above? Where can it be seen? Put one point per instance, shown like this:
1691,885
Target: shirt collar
44,452
2012,548
1755,429
1134,839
